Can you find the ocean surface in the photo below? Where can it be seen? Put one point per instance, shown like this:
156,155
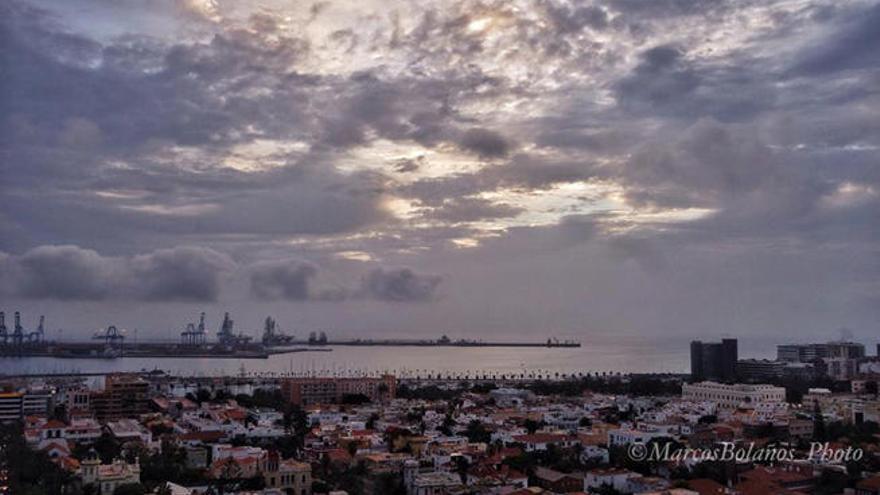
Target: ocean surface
623,355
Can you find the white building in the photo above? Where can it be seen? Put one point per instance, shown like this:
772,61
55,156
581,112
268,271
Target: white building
626,436
732,396
615,478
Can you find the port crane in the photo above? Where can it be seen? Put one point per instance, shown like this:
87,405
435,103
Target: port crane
18,331
4,335
271,336
37,336
226,335
113,338
194,335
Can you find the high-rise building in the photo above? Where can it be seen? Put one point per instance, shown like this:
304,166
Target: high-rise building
10,406
807,353
124,396
714,360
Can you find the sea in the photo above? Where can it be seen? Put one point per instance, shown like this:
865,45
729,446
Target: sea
624,355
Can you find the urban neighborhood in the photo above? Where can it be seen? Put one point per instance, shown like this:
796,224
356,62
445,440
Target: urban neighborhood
815,408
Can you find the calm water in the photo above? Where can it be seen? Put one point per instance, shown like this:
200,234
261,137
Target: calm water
625,355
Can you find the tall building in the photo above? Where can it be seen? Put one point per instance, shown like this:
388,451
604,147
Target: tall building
124,396
714,360
10,406
807,353
308,391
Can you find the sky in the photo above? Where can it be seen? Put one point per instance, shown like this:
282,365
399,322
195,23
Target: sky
668,169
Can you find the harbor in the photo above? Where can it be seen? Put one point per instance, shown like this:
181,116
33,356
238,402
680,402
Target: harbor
114,343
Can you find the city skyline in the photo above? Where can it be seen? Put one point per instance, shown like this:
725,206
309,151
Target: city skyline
673,169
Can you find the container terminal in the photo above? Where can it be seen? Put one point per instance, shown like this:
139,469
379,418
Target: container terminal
112,342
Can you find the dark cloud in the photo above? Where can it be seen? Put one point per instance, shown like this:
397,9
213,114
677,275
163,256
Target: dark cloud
523,171
178,274
852,45
399,285
471,210
667,81
409,164
572,19
486,143
73,273
61,272
283,279
729,145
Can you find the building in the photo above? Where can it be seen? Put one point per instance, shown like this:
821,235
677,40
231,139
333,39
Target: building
10,406
124,396
37,402
615,478
78,402
732,396
16,405
107,477
435,483
310,391
841,369
759,369
626,436
845,350
714,360
807,353
557,482
287,475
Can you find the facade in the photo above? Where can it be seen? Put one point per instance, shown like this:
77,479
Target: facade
807,353
714,360
759,369
732,396
626,436
287,475
310,391
16,405
435,483
107,477
10,406
77,401
841,368
618,479
37,402
124,396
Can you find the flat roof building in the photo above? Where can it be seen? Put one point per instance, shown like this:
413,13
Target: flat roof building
734,395
309,391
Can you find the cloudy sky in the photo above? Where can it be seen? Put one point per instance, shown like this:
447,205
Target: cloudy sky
666,168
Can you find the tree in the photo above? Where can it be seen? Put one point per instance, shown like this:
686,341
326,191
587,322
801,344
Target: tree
818,422
476,432
130,489
532,426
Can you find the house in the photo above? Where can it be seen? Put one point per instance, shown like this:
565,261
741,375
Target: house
610,477
558,482
435,483
288,475
107,477
540,441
